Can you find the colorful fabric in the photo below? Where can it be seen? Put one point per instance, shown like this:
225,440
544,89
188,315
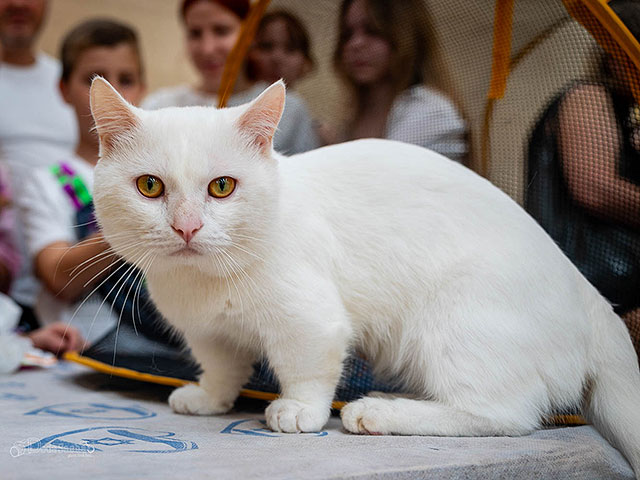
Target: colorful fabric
72,184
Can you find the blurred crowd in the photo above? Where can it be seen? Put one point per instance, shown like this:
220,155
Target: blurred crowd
54,262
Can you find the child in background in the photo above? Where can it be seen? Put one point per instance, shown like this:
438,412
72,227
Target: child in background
70,256
281,50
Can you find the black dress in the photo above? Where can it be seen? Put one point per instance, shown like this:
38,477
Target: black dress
605,251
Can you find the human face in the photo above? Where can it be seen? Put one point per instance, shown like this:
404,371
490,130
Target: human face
20,21
274,57
366,55
119,65
212,31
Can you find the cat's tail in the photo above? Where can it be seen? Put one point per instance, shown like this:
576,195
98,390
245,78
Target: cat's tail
613,400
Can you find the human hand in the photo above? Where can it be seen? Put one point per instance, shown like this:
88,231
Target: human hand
56,338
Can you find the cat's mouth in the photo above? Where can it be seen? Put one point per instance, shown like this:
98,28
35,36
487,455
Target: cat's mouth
186,251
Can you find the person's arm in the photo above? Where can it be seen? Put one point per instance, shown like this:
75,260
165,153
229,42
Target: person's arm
590,146
58,258
67,270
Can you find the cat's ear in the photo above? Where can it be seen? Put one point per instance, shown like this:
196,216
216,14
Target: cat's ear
113,116
260,120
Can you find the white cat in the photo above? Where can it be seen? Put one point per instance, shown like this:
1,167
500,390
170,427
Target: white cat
438,277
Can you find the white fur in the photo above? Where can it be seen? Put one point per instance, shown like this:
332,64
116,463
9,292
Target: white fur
436,276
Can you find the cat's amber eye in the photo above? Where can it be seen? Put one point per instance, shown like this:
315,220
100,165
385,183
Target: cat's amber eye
222,187
150,186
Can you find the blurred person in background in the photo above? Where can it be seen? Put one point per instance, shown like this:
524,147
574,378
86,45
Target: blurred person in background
382,53
281,49
212,28
583,182
35,123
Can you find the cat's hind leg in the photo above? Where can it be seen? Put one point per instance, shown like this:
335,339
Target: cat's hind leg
471,377
403,416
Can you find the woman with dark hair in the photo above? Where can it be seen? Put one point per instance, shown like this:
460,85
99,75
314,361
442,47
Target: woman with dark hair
584,177
212,28
383,53
281,50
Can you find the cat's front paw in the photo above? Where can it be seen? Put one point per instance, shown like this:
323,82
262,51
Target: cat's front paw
194,400
292,416
368,416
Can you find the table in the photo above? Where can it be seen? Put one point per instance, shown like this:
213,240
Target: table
70,422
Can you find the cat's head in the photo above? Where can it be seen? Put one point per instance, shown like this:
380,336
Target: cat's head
195,186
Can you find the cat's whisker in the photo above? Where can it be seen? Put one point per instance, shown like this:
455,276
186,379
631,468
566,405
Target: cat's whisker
119,280
242,234
238,268
93,240
91,261
123,282
134,283
140,281
145,271
79,307
92,278
96,258
247,240
85,224
253,290
218,264
97,275
73,277
229,276
68,250
255,255
109,293
242,276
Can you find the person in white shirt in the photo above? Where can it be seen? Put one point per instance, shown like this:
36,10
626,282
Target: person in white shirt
36,126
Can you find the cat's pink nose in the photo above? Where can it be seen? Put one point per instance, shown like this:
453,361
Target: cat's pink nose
187,228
